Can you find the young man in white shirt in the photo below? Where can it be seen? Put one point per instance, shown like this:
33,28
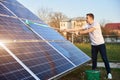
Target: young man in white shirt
97,42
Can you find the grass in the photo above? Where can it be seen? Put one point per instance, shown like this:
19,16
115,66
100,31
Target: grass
113,51
79,74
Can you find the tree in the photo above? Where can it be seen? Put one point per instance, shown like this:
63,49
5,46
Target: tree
105,31
51,18
55,19
44,13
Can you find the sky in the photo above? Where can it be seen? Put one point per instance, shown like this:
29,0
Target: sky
104,10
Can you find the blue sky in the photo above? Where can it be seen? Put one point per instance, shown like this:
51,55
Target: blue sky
108,10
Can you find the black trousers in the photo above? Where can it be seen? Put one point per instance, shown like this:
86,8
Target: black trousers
102,49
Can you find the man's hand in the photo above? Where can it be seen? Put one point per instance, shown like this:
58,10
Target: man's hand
77,33
62,30
71,30
67,30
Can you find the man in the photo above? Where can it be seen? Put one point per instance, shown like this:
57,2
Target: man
97,42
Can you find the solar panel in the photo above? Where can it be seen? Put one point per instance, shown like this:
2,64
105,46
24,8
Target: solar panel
60,43
38,56
28,52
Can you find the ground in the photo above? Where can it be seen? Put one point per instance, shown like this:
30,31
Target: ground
113,52
79,74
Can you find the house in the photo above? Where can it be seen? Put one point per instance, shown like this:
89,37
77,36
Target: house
73,23
113,27
65,24
78,22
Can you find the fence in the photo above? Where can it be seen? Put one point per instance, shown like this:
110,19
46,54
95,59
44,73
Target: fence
107,38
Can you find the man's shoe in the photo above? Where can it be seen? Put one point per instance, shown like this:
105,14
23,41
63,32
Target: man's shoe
109,76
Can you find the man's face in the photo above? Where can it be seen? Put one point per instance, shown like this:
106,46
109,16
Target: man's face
88,19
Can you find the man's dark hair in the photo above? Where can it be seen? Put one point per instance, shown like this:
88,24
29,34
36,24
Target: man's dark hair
91,15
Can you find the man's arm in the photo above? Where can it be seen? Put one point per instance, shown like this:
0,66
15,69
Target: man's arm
72,30
80,30
87,30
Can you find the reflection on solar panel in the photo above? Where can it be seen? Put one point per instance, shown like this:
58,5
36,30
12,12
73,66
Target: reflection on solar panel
33,51
61,44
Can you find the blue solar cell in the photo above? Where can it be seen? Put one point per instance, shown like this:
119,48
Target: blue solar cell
40,57
72,52
20,10
3,11
61,44
12,29
40,60
10,69
41,49
46,32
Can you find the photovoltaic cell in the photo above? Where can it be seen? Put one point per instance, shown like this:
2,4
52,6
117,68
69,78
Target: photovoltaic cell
46,32
41,59
10,69
60,43
13,29
4,11
20,10
38,56
41,49
71,52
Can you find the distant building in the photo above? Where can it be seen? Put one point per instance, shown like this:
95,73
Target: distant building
74,23
113,27
78,22
65,24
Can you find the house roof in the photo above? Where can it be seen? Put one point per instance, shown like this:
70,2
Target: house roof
74,19
78,18
66,20
113,26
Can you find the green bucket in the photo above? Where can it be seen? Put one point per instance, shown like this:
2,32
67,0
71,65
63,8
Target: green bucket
92,75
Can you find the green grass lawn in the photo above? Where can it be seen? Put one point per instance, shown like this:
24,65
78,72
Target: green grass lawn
113,51
79,74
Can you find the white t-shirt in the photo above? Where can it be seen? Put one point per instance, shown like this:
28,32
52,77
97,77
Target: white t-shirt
96,37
